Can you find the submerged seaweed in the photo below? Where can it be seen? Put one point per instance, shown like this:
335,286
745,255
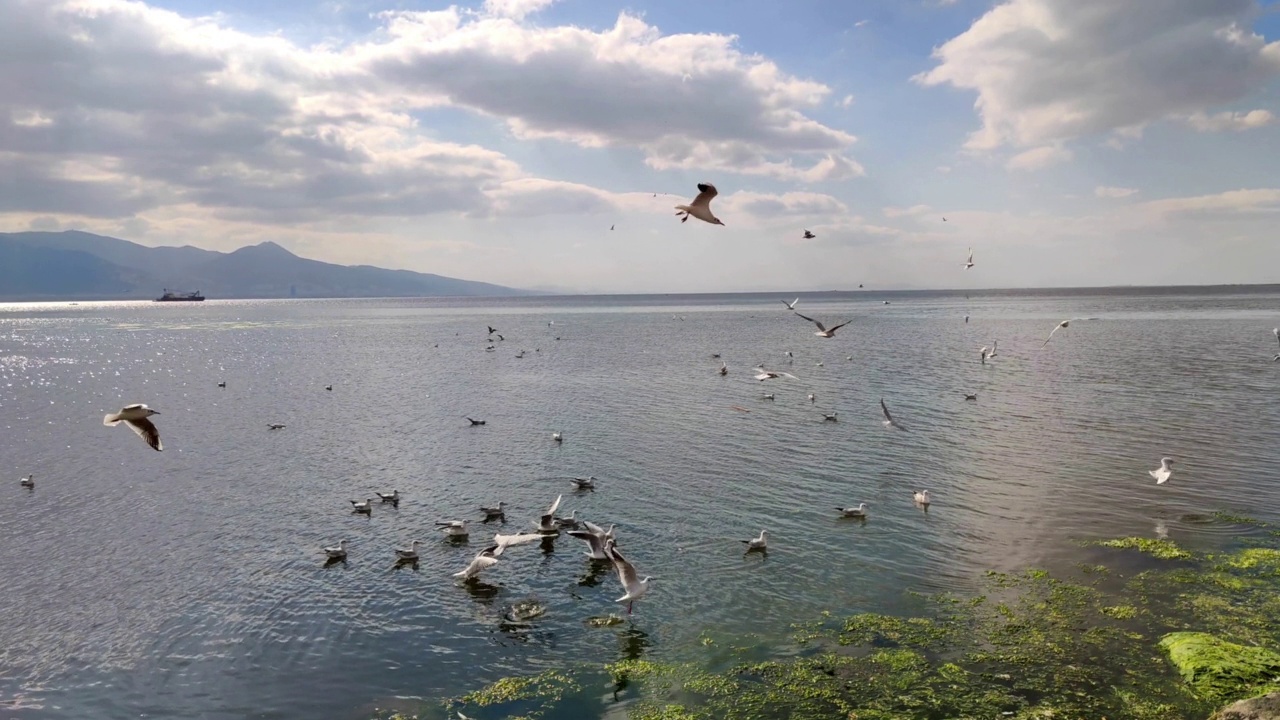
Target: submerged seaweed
1170,642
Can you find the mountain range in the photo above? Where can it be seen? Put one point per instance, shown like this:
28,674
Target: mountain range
80,265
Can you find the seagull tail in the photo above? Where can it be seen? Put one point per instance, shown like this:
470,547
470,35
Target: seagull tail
111,419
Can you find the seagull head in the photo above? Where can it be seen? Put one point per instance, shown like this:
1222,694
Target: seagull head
1166,461
716,221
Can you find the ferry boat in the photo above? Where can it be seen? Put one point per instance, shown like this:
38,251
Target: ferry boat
174,296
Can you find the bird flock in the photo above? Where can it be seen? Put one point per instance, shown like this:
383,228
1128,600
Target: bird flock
602,544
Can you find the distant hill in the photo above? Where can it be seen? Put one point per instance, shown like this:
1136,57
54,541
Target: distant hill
73,264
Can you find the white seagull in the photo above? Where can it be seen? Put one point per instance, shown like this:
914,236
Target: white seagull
135,416
791,305
888,419
969,263
454,528
557,437
922,497
1162,473
762,374
28,481
586,483
409,553
1064,323
498,510
627,575
823,332
547,523
595,537
337,552
983,354
994,344
724,368
488,557
391,497
760,542
701,206
854,512
362,506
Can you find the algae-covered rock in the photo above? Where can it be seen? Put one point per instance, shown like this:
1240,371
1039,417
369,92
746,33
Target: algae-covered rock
1221,670
1265,707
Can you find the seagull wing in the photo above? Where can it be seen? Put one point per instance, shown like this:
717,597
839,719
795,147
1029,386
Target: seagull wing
706,191
626,571
970,254
147,431
554,506
815,322
506,541
1051,332
885,409
846,322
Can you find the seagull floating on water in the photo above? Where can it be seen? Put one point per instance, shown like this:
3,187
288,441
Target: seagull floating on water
569,521
496,511
135,416
701,206
760,542
275,426
586,483
409,553
823,332
767,396
854,512
812,398
971,396
222,384
28,481
391,497
474,422
627,575
724,369
832,417
922,497
1064,323
337,552
1162,473
329,388
362,506
454,528
557,437
888,419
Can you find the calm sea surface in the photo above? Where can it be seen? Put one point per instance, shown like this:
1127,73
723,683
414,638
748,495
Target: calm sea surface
190,583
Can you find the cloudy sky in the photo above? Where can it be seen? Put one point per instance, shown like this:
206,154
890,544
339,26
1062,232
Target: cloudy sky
1069,142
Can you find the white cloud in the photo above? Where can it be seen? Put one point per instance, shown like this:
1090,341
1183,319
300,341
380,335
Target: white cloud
1103,191
1037,158
1231,121
136,108
515,9
913,211
765,209
1047,71
1255,200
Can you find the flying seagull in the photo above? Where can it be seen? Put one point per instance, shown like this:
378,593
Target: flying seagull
628,576
492,329
790,305
547,523
1064,323
135,416
808,235
823,332
888,419
762,374
1162,473
969,263
701,206
724,368
595,537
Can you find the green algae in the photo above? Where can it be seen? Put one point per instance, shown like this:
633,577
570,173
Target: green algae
1160,549
1099,644
1220,670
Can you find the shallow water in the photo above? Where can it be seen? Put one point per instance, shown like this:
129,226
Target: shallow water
190,583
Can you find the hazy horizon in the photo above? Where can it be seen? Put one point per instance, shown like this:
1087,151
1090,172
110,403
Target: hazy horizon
1069,143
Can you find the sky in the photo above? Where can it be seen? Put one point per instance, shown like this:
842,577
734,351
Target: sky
1067,142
